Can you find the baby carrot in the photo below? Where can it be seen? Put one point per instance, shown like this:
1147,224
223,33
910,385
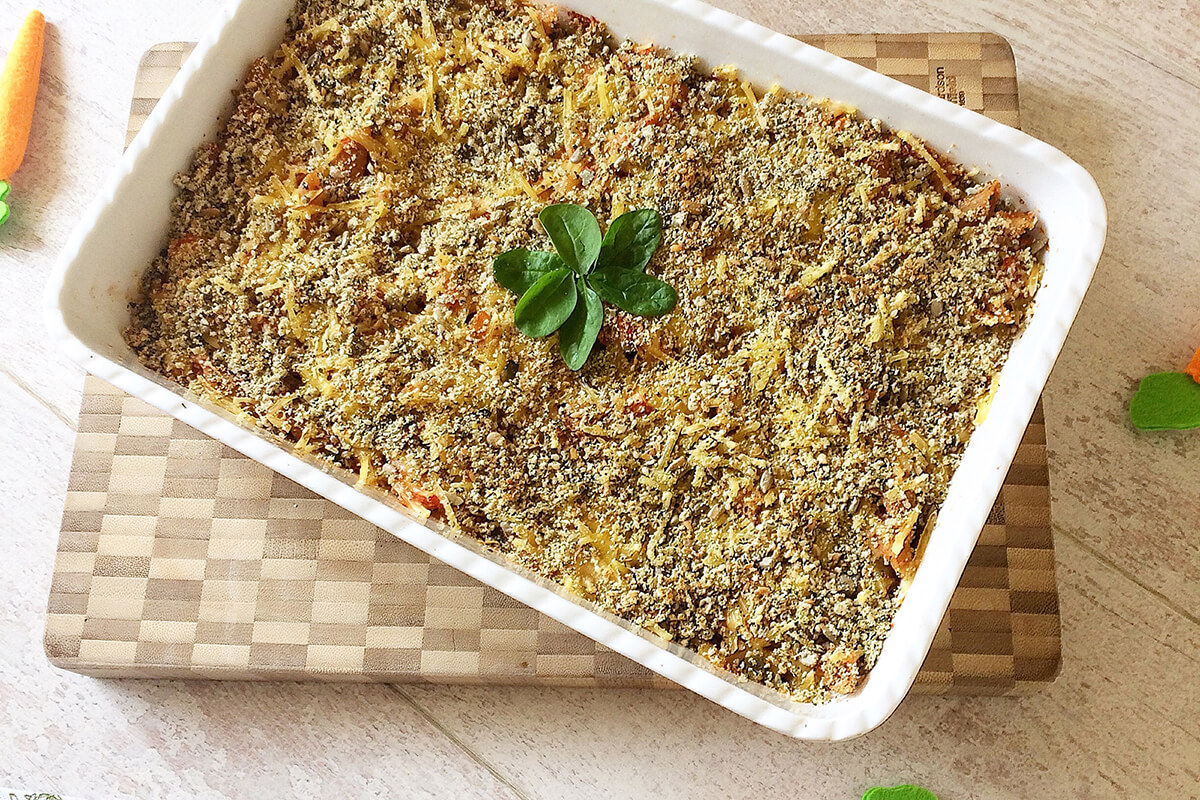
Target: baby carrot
1193,368
18,90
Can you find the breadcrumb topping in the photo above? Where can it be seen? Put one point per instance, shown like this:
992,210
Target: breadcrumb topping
751,476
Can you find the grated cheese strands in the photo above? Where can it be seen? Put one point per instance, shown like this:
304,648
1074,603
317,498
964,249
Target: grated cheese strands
292,60
606,106
923,151
752,101
754,475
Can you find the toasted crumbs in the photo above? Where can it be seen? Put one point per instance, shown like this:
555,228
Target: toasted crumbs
752,476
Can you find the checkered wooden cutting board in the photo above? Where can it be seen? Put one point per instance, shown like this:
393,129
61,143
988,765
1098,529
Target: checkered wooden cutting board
181,558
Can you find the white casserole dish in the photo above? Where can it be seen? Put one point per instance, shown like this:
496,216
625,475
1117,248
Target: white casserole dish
98,273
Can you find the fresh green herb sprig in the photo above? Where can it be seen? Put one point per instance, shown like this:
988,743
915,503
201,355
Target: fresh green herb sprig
565,291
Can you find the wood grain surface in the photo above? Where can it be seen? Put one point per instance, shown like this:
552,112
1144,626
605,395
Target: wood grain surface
1115,85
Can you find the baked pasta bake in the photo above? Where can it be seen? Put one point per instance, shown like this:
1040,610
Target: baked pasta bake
752,475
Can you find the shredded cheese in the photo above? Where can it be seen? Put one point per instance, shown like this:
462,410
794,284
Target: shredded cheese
919,148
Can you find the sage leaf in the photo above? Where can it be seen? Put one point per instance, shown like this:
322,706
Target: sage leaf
631,240
1166,401
575,234
546,305
577,336
633,291
518,270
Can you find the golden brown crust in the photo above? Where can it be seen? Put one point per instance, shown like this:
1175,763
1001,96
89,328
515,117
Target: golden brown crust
749,475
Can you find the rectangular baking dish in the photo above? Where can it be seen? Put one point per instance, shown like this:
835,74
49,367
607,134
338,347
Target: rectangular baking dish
126,227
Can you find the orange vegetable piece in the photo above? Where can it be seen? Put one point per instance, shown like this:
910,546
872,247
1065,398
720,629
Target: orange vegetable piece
1193,367
18,91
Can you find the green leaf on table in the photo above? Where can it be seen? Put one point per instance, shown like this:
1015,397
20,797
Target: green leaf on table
632,239
633,291
575,234
906,792
577,336
518,270
1166,401
546,305
4,189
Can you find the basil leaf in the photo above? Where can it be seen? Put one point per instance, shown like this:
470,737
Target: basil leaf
575,234
633,291
1166,401
577,336
907,792
518,270
546,305
632,239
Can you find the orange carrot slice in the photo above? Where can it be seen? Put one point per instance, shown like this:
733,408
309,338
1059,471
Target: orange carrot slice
1193,367
18,91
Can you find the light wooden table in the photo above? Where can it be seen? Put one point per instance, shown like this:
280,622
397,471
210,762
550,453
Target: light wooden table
1116,85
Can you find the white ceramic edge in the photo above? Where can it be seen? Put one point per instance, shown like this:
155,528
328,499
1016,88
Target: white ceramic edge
916,621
